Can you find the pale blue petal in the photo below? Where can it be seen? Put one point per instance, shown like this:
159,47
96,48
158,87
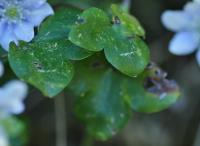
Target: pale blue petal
12,96
198,57
7,37
2,27
11,106
198,1
24,31
192,7
176,20
32,4
15,107
184,43
1,69
4,104
16,89
38,15
33,12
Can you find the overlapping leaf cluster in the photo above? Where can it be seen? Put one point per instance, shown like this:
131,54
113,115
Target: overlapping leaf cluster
102,59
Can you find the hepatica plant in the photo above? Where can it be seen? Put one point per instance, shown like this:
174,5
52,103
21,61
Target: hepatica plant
99,57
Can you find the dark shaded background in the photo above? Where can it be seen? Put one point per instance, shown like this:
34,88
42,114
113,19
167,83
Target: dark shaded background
177,126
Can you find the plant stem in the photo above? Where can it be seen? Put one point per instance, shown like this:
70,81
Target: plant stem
61,121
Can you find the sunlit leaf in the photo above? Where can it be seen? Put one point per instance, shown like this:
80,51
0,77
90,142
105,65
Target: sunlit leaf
129,55
89,28
129,25
95,32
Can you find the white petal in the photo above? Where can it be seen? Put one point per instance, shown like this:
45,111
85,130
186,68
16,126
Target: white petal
1,69
184,43
176,20
24,31
7,37
38,15
198,57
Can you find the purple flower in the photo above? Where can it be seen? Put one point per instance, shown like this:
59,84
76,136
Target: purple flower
186,24
18,19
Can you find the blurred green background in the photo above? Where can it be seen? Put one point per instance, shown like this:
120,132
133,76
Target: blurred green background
177,126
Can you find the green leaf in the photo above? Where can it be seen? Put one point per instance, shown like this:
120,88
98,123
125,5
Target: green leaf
95,32
128,55
87,33
73,52
43,65
129,25
101,104
58,26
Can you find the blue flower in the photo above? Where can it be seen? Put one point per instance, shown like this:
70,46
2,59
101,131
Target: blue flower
186,24
12,95
18,19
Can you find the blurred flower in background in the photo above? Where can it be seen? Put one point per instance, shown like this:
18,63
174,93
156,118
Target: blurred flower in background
186,25
12,95
18,19
3,138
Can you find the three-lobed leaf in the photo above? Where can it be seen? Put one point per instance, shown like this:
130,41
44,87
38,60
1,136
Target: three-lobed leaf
95,32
